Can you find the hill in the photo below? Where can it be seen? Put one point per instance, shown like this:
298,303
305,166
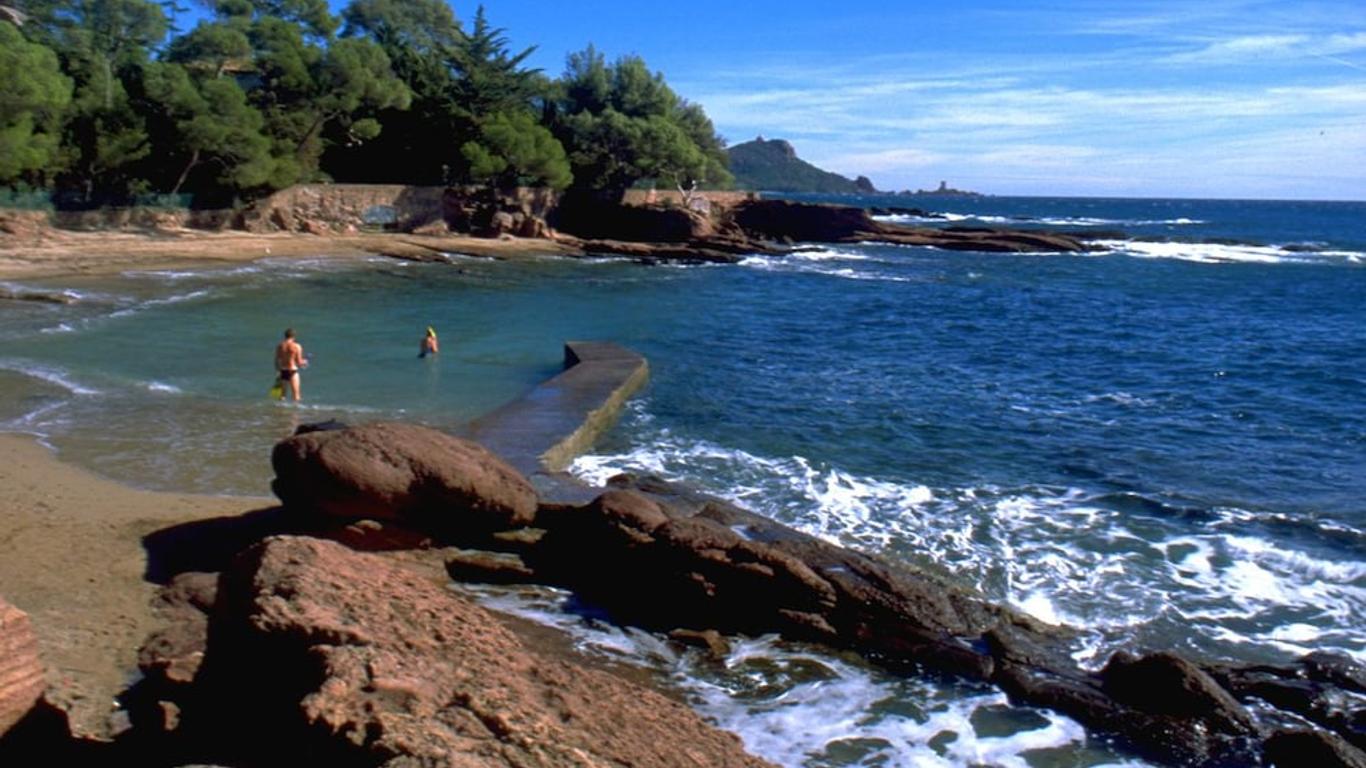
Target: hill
773,165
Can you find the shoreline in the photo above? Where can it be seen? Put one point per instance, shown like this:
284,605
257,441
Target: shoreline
63,253
72,558
75,553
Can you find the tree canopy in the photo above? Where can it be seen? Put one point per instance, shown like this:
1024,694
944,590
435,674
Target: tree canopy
110,100
621,124
34,96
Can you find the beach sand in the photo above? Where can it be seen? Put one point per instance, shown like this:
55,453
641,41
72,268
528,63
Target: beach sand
71,556
51,252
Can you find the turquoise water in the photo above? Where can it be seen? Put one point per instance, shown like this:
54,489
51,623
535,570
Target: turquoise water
1164,443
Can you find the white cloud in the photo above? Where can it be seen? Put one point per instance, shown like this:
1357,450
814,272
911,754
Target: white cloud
1135,120
1247,48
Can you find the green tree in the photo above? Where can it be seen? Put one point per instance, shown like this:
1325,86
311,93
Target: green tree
422,26
418,36
34,95
203,124
621,124
213,48
512,149
101,44
312,89
475,102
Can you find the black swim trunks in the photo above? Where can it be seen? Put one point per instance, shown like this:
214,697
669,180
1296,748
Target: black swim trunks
286,375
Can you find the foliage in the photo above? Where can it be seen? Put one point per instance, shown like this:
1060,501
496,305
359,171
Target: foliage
621,124
204,123
33,97
110,101
513,149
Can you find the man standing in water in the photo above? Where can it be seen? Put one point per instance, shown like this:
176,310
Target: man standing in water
289,358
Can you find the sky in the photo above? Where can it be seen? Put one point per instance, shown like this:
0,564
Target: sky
1200,98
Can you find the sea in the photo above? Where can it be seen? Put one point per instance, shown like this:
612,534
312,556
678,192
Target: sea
1161,441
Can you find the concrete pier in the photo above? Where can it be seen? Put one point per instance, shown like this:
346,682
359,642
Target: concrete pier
543,431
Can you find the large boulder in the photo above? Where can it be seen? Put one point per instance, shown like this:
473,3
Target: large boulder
343,658
401,471
21,673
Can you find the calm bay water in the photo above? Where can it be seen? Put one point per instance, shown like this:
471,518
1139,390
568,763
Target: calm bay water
1164,443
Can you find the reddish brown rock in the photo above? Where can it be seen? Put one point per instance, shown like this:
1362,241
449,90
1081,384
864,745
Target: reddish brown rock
346,658
401,471
171,656
707,565
21,673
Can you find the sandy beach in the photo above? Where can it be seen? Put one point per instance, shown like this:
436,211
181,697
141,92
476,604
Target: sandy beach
53,252
71,556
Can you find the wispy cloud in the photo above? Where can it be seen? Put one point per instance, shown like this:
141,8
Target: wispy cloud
1237,50
1224,97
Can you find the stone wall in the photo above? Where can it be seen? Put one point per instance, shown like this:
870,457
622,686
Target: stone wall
323,208
344,207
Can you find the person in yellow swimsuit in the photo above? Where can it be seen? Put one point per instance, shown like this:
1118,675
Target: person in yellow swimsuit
429,343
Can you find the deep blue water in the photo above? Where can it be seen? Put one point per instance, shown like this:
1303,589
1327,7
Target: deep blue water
1164,442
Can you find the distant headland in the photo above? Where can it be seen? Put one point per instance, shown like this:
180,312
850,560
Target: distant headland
772,165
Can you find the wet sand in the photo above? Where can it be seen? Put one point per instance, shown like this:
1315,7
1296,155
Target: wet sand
71,556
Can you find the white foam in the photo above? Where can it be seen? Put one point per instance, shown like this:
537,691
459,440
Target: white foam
1053,553
827,254
1220,253
159,302
158,386
823,262
792,705
1053,221
50,374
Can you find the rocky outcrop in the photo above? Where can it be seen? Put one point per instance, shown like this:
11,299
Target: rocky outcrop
712,567
21,672
329,657
787,221
716,567
401,471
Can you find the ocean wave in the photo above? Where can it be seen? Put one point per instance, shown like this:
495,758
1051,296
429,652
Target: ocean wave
143,306
1226,253
1063,555
826,263
50,374
798,706
162,387
826,254
1054,221
22,292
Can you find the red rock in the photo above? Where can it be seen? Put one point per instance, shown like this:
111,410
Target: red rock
401,471
352,659
21,673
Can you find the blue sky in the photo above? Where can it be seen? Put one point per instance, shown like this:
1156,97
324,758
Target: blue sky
1203,98
1199,98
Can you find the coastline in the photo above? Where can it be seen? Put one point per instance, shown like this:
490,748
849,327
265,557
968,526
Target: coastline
55,253
75,553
